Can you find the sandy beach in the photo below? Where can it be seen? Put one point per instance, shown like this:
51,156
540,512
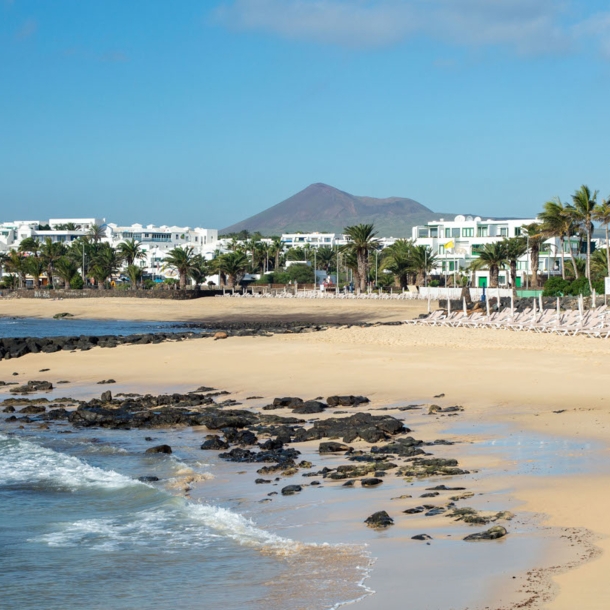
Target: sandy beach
220,309
534,384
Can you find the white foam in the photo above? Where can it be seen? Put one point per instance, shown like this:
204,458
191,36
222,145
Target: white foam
240,529
24,462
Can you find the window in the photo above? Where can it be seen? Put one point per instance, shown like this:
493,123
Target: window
468,232
476,249
441,249
503,231
447,232
422,232
517,231
433,231
455,233
483,231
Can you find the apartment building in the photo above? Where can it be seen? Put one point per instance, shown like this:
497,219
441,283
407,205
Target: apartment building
299,240
457,243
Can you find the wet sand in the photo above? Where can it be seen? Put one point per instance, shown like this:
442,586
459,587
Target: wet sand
503,378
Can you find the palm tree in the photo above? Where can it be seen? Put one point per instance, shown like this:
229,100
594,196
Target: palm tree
602,214
15,263
66,269
423,262
131,251
234,265
200,270
296,254
30,245
557,222
34,266
326,258
398,258
51,252
492,257
134,273
515,248
96,233
361,240
599,263
183,260
535,236
106,261
275,251
584,203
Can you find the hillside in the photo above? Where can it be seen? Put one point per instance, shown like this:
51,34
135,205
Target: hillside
320,207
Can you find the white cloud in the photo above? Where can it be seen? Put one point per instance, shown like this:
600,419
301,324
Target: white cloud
525,26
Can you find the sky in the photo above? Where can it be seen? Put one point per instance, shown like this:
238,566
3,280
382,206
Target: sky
204,112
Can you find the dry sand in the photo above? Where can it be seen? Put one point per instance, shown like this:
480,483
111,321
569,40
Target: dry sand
499,376
220,309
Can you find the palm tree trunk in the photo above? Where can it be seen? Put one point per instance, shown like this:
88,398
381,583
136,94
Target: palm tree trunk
513,276
361,272
182,281
493,276
535,261
573,260
563,259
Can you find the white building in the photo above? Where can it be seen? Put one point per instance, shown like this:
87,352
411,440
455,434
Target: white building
157,241
299,240
457,243
62,230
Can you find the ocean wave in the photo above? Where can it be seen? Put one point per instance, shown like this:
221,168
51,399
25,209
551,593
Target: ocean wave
25,463
174,525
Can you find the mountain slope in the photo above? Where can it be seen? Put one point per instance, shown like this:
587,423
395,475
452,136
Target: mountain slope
320,207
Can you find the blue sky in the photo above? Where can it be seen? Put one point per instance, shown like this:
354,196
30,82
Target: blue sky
205,112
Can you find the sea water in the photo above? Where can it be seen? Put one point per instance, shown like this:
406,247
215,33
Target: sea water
45,327
78,529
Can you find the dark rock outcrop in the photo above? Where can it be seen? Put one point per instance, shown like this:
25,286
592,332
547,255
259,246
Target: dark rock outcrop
159,449
290,490
379,520
492,533
346,401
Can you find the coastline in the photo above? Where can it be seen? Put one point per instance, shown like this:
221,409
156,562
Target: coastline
478,369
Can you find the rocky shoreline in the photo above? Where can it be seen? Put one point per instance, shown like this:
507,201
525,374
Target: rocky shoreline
16,347
369,449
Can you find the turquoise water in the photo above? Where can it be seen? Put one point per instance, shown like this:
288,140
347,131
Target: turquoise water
77,529
41,327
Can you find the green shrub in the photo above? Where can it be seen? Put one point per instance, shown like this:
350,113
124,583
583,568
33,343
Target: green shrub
434,284
76,283
303,274
148,284
556,287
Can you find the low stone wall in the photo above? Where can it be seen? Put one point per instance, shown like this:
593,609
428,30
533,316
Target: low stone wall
87,293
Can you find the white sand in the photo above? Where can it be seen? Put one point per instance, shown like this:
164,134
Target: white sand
500,376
